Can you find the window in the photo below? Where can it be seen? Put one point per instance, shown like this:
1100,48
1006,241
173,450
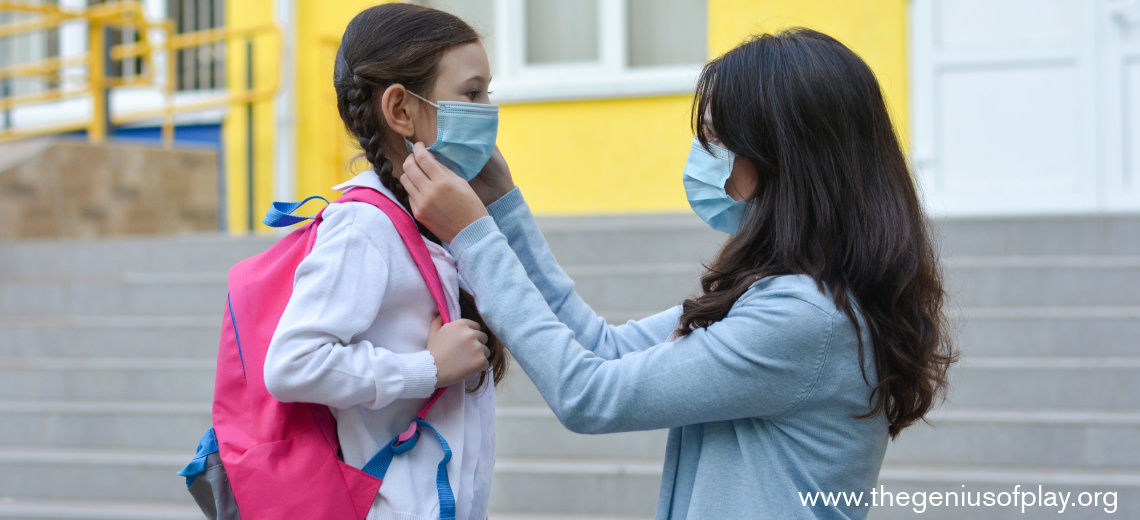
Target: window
197,68
127,68
575,49
26,48
202,67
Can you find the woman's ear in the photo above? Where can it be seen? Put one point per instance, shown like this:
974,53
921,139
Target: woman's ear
396,110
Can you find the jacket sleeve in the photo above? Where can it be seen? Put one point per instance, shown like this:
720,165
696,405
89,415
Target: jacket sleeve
337,292
761,360
514,218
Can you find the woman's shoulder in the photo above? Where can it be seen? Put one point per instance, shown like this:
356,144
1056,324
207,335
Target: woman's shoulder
799,288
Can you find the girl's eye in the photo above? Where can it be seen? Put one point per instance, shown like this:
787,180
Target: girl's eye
472,95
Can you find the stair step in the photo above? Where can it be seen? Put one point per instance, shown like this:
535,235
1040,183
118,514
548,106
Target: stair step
110,336
1061,235
71,510
135,295
91,475
71,258
104,425
1058,383
1049,331
108,379
534,432
1029,438
1010,284
576,487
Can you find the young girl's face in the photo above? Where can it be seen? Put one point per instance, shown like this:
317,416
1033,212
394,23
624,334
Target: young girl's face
464,75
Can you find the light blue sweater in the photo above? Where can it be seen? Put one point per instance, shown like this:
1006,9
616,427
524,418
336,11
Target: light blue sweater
759,404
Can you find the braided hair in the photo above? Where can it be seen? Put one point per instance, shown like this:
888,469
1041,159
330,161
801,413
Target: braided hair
400,44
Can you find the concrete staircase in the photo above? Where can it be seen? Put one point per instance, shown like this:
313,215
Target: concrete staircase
107,352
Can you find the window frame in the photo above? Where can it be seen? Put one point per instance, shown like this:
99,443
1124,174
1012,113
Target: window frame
609,77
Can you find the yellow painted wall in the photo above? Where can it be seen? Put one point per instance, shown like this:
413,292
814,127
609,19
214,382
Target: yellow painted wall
234,136
577,157
324,148
875,29
609,156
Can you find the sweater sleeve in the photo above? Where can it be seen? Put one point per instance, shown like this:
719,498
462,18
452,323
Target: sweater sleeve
337,293
761,360
515,220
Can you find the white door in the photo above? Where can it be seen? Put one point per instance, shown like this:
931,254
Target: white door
1121,108
1023,106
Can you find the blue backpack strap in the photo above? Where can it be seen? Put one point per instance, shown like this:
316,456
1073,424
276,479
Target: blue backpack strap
378,467
207,445
280,214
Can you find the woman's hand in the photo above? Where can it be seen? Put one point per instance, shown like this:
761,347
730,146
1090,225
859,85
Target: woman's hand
494,180
440,199
459,350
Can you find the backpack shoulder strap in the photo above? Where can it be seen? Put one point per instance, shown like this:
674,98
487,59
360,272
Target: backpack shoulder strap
410,234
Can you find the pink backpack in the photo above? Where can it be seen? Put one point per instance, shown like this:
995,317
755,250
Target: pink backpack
280,460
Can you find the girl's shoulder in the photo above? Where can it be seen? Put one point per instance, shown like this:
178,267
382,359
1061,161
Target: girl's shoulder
360,220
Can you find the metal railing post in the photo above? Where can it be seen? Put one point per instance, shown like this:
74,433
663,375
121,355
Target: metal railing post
97,81
108,72
249,133
5,91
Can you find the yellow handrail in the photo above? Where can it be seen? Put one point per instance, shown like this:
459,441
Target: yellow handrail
126,14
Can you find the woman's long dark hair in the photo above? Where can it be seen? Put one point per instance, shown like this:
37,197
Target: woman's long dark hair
382,46
834,200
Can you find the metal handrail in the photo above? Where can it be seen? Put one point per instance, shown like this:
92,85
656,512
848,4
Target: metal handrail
126,14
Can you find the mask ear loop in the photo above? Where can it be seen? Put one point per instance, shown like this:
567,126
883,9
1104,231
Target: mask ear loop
406,140
424,99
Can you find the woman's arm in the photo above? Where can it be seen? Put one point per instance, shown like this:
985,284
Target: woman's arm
759,361
337,293
517,223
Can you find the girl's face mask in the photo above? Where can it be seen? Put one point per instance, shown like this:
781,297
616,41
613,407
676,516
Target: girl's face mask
704,177
465,135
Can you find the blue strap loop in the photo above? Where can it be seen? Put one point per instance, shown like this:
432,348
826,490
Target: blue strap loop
207,445
378,467
280,214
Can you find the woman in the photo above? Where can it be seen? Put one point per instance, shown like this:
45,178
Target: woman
819,333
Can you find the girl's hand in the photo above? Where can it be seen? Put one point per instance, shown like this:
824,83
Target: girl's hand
459,349
494,180
441,201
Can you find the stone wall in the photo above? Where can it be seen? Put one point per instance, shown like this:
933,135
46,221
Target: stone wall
69,188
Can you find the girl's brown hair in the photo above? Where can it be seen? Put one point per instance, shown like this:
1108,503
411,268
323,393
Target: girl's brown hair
835,200
400,44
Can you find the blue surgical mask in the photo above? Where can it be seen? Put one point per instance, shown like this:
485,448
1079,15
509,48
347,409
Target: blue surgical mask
704,177
465,135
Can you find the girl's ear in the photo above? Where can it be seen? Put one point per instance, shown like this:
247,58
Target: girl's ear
395,106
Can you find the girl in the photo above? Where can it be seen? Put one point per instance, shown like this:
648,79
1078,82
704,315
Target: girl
819,333
354,332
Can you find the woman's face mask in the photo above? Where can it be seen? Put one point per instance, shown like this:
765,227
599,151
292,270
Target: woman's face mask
465,135
705,177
